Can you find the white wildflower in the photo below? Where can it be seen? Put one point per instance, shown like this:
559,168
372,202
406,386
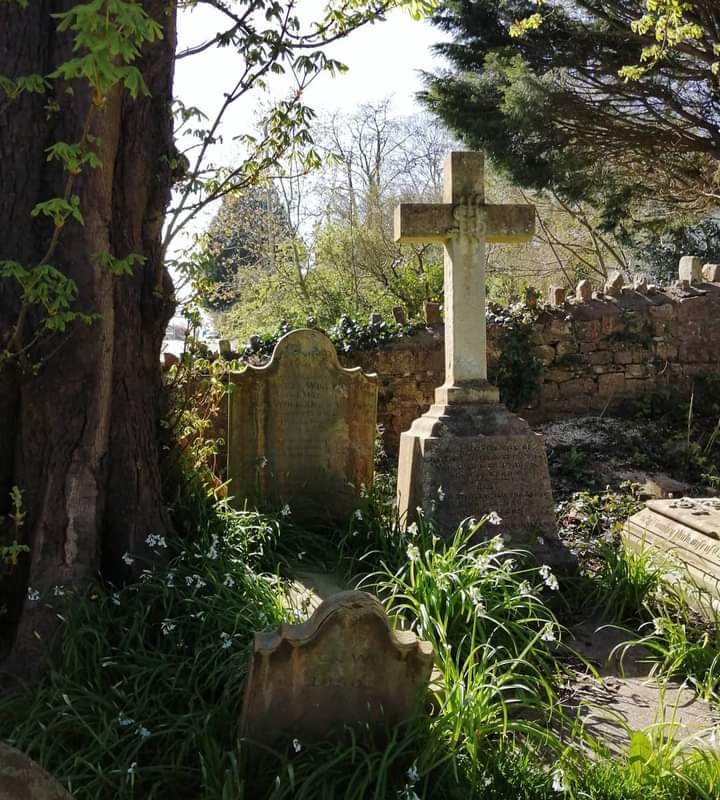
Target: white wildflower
297,747
413,775
170,582
548,634
494,518
33,594
196,580
125,722
440,494
525,588
263,462
541,541
413,529
285,511
413,552
145,576
115,597
58,591
226,640
363,491
358,514
356,533
658,626
142,732
212,552
128,559
229,581
167,626
300,555
132,768
498,544
558,781
155,540
552,583
476,597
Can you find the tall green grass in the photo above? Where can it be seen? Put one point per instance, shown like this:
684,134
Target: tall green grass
145,698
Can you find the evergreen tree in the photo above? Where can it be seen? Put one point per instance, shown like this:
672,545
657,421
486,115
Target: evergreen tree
598,100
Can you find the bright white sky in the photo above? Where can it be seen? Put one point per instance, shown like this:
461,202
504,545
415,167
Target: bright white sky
383,61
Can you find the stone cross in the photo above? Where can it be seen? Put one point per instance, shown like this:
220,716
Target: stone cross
463,223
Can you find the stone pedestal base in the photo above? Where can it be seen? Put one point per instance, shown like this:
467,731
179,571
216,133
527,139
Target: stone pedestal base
466,460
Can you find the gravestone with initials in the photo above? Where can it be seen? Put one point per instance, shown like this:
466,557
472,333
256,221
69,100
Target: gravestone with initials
468,456
686,530
344,667
302,429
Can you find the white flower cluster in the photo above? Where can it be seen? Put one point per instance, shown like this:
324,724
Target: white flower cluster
33,594
548,633
550,580
413,552
167,626
476,598
412,777
155,540
226,640
195,580
285,511
212,552
493,518
229,581
128,559
558,781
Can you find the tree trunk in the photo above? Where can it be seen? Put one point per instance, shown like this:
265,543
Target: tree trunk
78,433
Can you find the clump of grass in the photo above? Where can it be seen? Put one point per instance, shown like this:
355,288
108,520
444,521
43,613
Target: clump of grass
149,681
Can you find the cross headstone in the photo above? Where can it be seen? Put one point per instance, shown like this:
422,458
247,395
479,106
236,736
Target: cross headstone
468,456
463,223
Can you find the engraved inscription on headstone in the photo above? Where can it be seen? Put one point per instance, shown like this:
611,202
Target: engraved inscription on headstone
687,531
302,429
344,667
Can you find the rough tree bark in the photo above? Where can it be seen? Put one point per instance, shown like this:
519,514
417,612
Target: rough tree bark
79,435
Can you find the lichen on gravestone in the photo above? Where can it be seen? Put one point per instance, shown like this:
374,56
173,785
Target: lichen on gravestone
345,668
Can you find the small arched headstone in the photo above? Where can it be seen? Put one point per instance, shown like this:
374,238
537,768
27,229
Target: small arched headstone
22,779
343,668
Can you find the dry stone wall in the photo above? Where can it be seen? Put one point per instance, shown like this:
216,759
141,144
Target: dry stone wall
597,350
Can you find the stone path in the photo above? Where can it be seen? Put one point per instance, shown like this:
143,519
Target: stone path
625,698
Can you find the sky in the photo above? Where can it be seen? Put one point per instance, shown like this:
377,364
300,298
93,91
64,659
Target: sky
383,60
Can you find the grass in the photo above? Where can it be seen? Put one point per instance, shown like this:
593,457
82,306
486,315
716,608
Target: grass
145,698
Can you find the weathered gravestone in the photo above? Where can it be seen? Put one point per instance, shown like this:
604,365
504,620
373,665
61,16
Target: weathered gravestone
22,779
344,667
686,530
468,456
302,429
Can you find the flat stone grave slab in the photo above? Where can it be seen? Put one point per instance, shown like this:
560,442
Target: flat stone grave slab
302,430
23,779
685,530
344,667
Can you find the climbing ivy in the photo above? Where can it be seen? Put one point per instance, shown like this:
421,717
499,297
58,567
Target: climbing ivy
518,370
